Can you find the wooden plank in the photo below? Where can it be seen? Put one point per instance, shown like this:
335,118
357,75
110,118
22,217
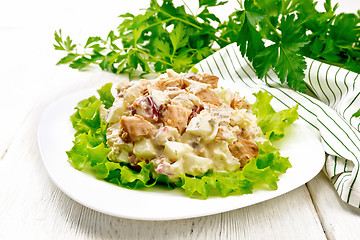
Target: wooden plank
339,220
13,106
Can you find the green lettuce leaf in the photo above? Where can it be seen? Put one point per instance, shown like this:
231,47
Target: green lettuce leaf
270,157
260,176
105,95
217,183
103,169
272,123
134,179
193,185
87,115
88,149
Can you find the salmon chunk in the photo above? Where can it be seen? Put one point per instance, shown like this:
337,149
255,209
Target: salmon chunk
136,127
164,84
208,96
209,79
203,78
244,150
239,103
176,116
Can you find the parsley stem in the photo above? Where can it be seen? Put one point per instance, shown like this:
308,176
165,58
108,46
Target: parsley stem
240,4
151,56
154,24
218,39
188,8
272,27
181,20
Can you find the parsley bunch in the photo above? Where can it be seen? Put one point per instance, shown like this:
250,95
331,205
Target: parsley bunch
279,34
163,37
272,34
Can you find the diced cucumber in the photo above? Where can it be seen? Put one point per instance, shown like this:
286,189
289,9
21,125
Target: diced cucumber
200,125
144,149
123,156
117,110
225,94
196,165
175,150
223,159
204,125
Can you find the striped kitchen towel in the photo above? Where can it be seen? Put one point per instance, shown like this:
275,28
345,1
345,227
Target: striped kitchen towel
329,113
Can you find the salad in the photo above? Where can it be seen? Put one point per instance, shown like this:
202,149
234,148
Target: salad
180,130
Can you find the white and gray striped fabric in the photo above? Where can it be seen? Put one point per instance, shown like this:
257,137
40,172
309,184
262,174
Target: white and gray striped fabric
329,113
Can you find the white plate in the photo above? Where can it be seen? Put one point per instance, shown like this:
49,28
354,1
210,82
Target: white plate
55,136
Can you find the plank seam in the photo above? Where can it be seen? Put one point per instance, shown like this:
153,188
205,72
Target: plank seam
5,152
3,155
316,210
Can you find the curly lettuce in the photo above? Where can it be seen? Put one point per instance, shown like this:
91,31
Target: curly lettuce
90,151
272,123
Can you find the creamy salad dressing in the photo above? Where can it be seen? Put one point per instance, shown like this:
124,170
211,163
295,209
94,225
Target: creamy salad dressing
183,124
